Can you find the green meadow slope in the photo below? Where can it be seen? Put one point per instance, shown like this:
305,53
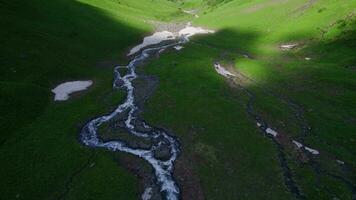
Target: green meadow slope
224,154
44,43
228,152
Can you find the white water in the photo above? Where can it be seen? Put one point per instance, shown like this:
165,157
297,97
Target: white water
147,195
163,169
178,47
62,91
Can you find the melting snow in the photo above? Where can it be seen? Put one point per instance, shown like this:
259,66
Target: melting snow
192,12
288,46
271,132
63,90
189,31
340,162
222,71
159,37
156,38
300,145
313,151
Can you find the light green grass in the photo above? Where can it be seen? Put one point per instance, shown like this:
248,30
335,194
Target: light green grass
323,86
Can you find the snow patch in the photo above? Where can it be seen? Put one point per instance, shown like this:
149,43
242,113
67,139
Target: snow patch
156,38
307,58
189,31
288,46
271,132
63,90
300,145
161,36
191,12
222,71
147,194
312,151
340,162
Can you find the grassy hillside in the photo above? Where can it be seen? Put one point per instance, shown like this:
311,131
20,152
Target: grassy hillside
44,43
230,155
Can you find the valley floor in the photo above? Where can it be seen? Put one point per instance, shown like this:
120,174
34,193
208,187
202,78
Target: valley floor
290,81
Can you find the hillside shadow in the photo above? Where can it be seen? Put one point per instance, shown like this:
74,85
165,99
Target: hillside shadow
242,42
44,43
200,106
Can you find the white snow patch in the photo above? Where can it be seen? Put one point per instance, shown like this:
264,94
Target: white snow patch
222,71
191,12
300,145
258,124
63,90
307,58
178,47
271,132
189,31
340,162
161,36
288,46
147,194
156,38
312,151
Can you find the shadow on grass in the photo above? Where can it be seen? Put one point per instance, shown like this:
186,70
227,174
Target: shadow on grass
199,106
46,42
42,44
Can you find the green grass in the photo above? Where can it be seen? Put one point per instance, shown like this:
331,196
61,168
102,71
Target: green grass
191,94
236,160
44,43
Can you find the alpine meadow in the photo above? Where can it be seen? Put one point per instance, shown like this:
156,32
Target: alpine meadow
178,99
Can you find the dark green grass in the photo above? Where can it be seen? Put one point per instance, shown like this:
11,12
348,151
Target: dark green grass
324,86
234,159
44,43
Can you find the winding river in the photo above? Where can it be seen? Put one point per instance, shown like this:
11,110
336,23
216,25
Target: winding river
163,169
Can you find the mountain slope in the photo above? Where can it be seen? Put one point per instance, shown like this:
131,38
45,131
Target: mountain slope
306,94
44,43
